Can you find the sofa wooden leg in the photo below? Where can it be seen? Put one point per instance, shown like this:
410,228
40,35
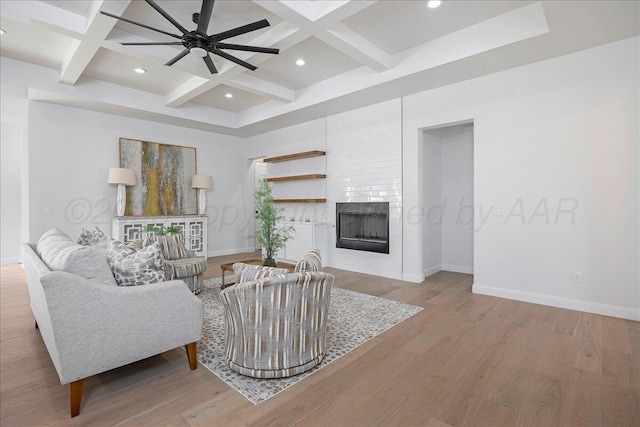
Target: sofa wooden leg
75,389
191,354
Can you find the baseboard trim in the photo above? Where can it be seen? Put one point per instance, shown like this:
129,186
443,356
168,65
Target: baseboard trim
431,270
560,302
414,278
457,268
12,260
447,267
229,252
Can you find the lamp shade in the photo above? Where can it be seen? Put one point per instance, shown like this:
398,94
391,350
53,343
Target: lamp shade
202,181
122,176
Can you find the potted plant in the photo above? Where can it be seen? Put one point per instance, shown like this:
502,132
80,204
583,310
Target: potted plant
270,236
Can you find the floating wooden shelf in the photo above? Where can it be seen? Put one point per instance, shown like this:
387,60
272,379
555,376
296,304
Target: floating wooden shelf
299,200
297,177
295,156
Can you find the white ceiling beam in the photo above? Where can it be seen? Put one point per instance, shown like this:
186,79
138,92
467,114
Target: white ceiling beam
329,29
261,87
82,51
42,15
283,34
359,48
188,90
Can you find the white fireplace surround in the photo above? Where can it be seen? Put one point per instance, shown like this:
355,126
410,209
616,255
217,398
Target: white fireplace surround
364,164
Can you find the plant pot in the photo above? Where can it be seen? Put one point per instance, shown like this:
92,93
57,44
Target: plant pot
269,262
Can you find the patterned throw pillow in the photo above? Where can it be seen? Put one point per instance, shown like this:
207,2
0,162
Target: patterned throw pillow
136,244
249,272
131,267
171,245
311,262
93,238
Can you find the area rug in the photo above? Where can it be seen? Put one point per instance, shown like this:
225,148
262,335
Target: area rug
354,318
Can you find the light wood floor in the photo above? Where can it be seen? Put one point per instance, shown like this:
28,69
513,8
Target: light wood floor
464,360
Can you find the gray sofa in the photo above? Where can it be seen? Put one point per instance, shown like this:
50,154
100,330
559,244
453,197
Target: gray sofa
90,325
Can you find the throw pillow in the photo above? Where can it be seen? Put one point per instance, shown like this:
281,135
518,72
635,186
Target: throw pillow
248,272
136,244
133,268
171,245
93,238
60,253
311,262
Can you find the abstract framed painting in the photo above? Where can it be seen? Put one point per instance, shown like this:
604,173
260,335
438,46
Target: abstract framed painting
163,174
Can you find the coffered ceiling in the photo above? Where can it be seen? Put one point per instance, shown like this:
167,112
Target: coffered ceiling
356,52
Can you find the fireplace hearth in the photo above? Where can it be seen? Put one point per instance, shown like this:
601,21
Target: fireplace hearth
363,226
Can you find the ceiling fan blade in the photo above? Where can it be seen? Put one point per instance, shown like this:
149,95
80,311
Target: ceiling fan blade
205,15
231,58
210,66
248,48
241,30
178,57
140,25
151,44
168,17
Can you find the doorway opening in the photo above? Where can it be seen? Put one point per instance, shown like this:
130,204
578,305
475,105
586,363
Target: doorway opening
259,174
447,166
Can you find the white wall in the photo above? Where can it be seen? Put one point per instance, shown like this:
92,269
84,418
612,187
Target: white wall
364,164
556,146
71,151
432,185
13,136
457,198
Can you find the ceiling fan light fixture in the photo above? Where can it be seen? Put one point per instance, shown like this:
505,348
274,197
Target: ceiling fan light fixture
432,4
140,70
300,62
198,51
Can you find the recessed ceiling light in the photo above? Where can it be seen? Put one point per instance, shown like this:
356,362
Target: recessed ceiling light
228,95
140,70
432,4
300,62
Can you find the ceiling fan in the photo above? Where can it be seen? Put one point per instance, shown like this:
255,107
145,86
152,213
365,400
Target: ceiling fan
198,42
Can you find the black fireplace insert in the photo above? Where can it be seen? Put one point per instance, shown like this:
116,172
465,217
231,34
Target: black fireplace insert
363,226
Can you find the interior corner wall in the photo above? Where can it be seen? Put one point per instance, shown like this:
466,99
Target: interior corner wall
71,151
457,198
432,228
556,148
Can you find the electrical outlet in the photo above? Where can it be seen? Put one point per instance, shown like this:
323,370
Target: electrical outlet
48,211
577,277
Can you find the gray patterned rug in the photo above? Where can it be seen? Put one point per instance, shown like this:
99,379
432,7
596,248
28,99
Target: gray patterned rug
354,318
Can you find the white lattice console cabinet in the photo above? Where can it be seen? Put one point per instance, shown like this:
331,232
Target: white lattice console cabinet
194,229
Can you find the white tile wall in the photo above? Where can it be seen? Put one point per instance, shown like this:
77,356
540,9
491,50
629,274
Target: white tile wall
364,164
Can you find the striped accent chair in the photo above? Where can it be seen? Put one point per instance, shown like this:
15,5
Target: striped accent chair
179,262
248,272
277,326
312,261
